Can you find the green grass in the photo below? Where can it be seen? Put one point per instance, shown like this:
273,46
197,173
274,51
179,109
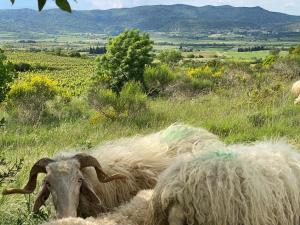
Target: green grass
250,55
228,113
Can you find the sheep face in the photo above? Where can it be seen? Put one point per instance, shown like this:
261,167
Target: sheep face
71,193
64,180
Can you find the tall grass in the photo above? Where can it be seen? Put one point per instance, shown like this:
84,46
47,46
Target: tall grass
230,116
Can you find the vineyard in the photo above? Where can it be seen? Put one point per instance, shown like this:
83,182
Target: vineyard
72,73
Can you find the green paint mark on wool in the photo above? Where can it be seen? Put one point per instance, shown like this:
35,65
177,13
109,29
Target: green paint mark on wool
220,154
177,133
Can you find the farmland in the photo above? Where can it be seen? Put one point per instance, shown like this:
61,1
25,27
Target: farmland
239,96
72,73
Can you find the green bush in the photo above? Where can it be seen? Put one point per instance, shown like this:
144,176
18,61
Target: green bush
170,57
264,93
191,56
59,109
104,101
22,67
269,61
287,68
132,98
125,59
208,75
197,85
129,102
188,87
27,99
157,78
7,75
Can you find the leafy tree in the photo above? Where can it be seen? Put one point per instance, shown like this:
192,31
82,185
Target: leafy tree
62,4
125,59
7,75
170,57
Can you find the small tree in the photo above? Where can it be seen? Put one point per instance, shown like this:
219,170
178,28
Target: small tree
7,75
125,59
170,57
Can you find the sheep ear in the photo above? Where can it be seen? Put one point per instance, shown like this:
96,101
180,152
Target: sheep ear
41,199
89,203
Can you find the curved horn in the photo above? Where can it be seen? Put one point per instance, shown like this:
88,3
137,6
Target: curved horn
41,198
38,167
86,160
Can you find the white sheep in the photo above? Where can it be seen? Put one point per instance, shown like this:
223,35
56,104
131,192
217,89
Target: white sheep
296,88
88,184
296,91
242,184
132,213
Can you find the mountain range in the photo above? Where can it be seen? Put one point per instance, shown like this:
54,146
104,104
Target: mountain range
157,18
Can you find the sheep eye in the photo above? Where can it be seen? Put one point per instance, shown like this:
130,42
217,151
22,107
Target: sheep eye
80,180
48,184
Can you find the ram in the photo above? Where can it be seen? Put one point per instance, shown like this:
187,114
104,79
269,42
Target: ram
86,184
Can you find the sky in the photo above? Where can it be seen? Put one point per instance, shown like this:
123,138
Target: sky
285,6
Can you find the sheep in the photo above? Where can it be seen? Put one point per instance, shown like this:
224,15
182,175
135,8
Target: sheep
132,213
85,185
296,88
241,184
296,91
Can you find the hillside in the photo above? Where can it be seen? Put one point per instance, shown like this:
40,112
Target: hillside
172,18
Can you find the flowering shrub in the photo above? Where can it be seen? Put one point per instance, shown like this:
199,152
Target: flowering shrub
206,77
205,72
27,98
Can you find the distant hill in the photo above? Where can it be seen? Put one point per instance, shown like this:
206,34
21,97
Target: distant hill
160,18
